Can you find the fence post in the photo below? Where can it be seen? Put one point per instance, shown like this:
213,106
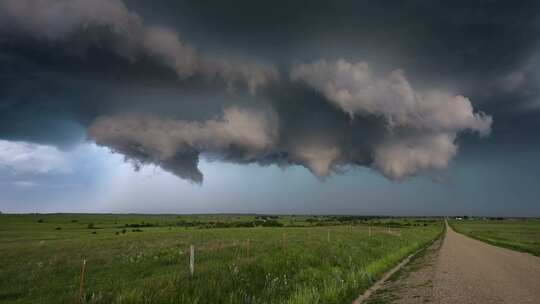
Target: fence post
81,285
328,236
191,260
248,247
369,231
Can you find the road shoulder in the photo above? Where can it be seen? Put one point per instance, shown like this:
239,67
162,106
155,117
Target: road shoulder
413,283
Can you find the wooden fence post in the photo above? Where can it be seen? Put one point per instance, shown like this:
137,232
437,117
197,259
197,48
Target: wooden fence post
369,231
328,236
191,260
81,285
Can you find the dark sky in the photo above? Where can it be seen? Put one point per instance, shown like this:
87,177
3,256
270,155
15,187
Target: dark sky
379,107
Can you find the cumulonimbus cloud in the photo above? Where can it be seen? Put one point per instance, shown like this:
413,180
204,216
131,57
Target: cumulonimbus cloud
176,144
423,125
339,114
353,88
58,20
418,134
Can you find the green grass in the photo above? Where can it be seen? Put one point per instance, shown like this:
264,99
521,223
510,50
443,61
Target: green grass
517,234
41,264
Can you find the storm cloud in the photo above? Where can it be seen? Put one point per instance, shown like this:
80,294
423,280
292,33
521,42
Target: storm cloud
61,20
167,142
419,132
164,94
432,119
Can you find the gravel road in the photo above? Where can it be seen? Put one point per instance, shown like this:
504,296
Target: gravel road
470,271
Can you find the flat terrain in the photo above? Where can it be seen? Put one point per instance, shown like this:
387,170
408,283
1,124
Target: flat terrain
461,269
470,271
517,234
239,258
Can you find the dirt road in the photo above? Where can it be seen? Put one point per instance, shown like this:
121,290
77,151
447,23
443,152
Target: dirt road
470,271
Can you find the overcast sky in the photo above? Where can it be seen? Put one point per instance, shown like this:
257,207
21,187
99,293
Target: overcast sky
349,107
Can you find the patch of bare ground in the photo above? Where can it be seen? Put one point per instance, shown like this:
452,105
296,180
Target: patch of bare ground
413,283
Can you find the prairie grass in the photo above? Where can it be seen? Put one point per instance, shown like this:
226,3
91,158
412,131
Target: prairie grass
517,234
40,264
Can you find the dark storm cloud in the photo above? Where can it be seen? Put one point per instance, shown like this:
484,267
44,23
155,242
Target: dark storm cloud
127,35
381,85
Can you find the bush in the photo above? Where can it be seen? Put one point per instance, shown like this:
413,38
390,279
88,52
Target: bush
40,221
90,226
58,228
142,224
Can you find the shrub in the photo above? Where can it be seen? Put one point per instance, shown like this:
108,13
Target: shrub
142,224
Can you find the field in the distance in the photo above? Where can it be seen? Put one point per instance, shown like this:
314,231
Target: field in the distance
145,258
517,234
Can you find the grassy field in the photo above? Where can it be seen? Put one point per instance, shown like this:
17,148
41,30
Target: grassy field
517,234
239,258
